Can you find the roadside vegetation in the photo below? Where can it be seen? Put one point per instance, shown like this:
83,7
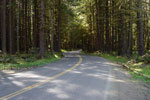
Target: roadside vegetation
120,26
25,61
140,64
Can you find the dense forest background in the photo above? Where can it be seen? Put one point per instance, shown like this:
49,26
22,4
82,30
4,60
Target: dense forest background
118,26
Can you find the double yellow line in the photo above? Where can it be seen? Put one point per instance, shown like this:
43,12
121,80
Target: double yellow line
42,82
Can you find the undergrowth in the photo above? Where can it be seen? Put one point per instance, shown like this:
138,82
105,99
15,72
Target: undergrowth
23,61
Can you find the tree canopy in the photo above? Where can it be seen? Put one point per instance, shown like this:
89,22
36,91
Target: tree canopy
120,26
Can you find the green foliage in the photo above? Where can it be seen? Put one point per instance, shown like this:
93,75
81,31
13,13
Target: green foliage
145,58
8,59
112,57
139,59
33,51
115,58
138,77
26,61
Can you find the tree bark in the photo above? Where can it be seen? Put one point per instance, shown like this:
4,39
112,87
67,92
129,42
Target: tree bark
4,26
35,32
59,26
107,28
123,33
97,26
42,34
18,24
52,29
129,52
10,27
140,29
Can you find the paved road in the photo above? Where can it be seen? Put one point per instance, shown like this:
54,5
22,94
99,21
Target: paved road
72,78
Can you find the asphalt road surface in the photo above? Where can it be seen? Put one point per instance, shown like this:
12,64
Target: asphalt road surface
73,77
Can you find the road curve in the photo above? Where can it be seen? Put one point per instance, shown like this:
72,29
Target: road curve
78,78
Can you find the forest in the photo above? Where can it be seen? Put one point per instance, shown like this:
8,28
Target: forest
74,49
110,26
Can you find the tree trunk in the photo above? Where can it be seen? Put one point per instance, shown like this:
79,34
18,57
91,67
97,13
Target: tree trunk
140,29
26,26
10,28
107,28
42,34
52,29
123,33
59,26
4,26
35,40
18,29
129,52
97,27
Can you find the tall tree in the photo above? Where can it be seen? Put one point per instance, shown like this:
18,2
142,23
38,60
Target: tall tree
123,34
17,27
140,28
4,26
42,34
130,31
107,27
35,31
59,26
97,25
10,27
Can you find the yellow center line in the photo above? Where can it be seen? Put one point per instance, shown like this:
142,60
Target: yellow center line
42,82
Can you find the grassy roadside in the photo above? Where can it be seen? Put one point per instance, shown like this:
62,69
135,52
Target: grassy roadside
138,66
25,61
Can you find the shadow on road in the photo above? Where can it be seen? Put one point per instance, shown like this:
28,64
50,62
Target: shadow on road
95,79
